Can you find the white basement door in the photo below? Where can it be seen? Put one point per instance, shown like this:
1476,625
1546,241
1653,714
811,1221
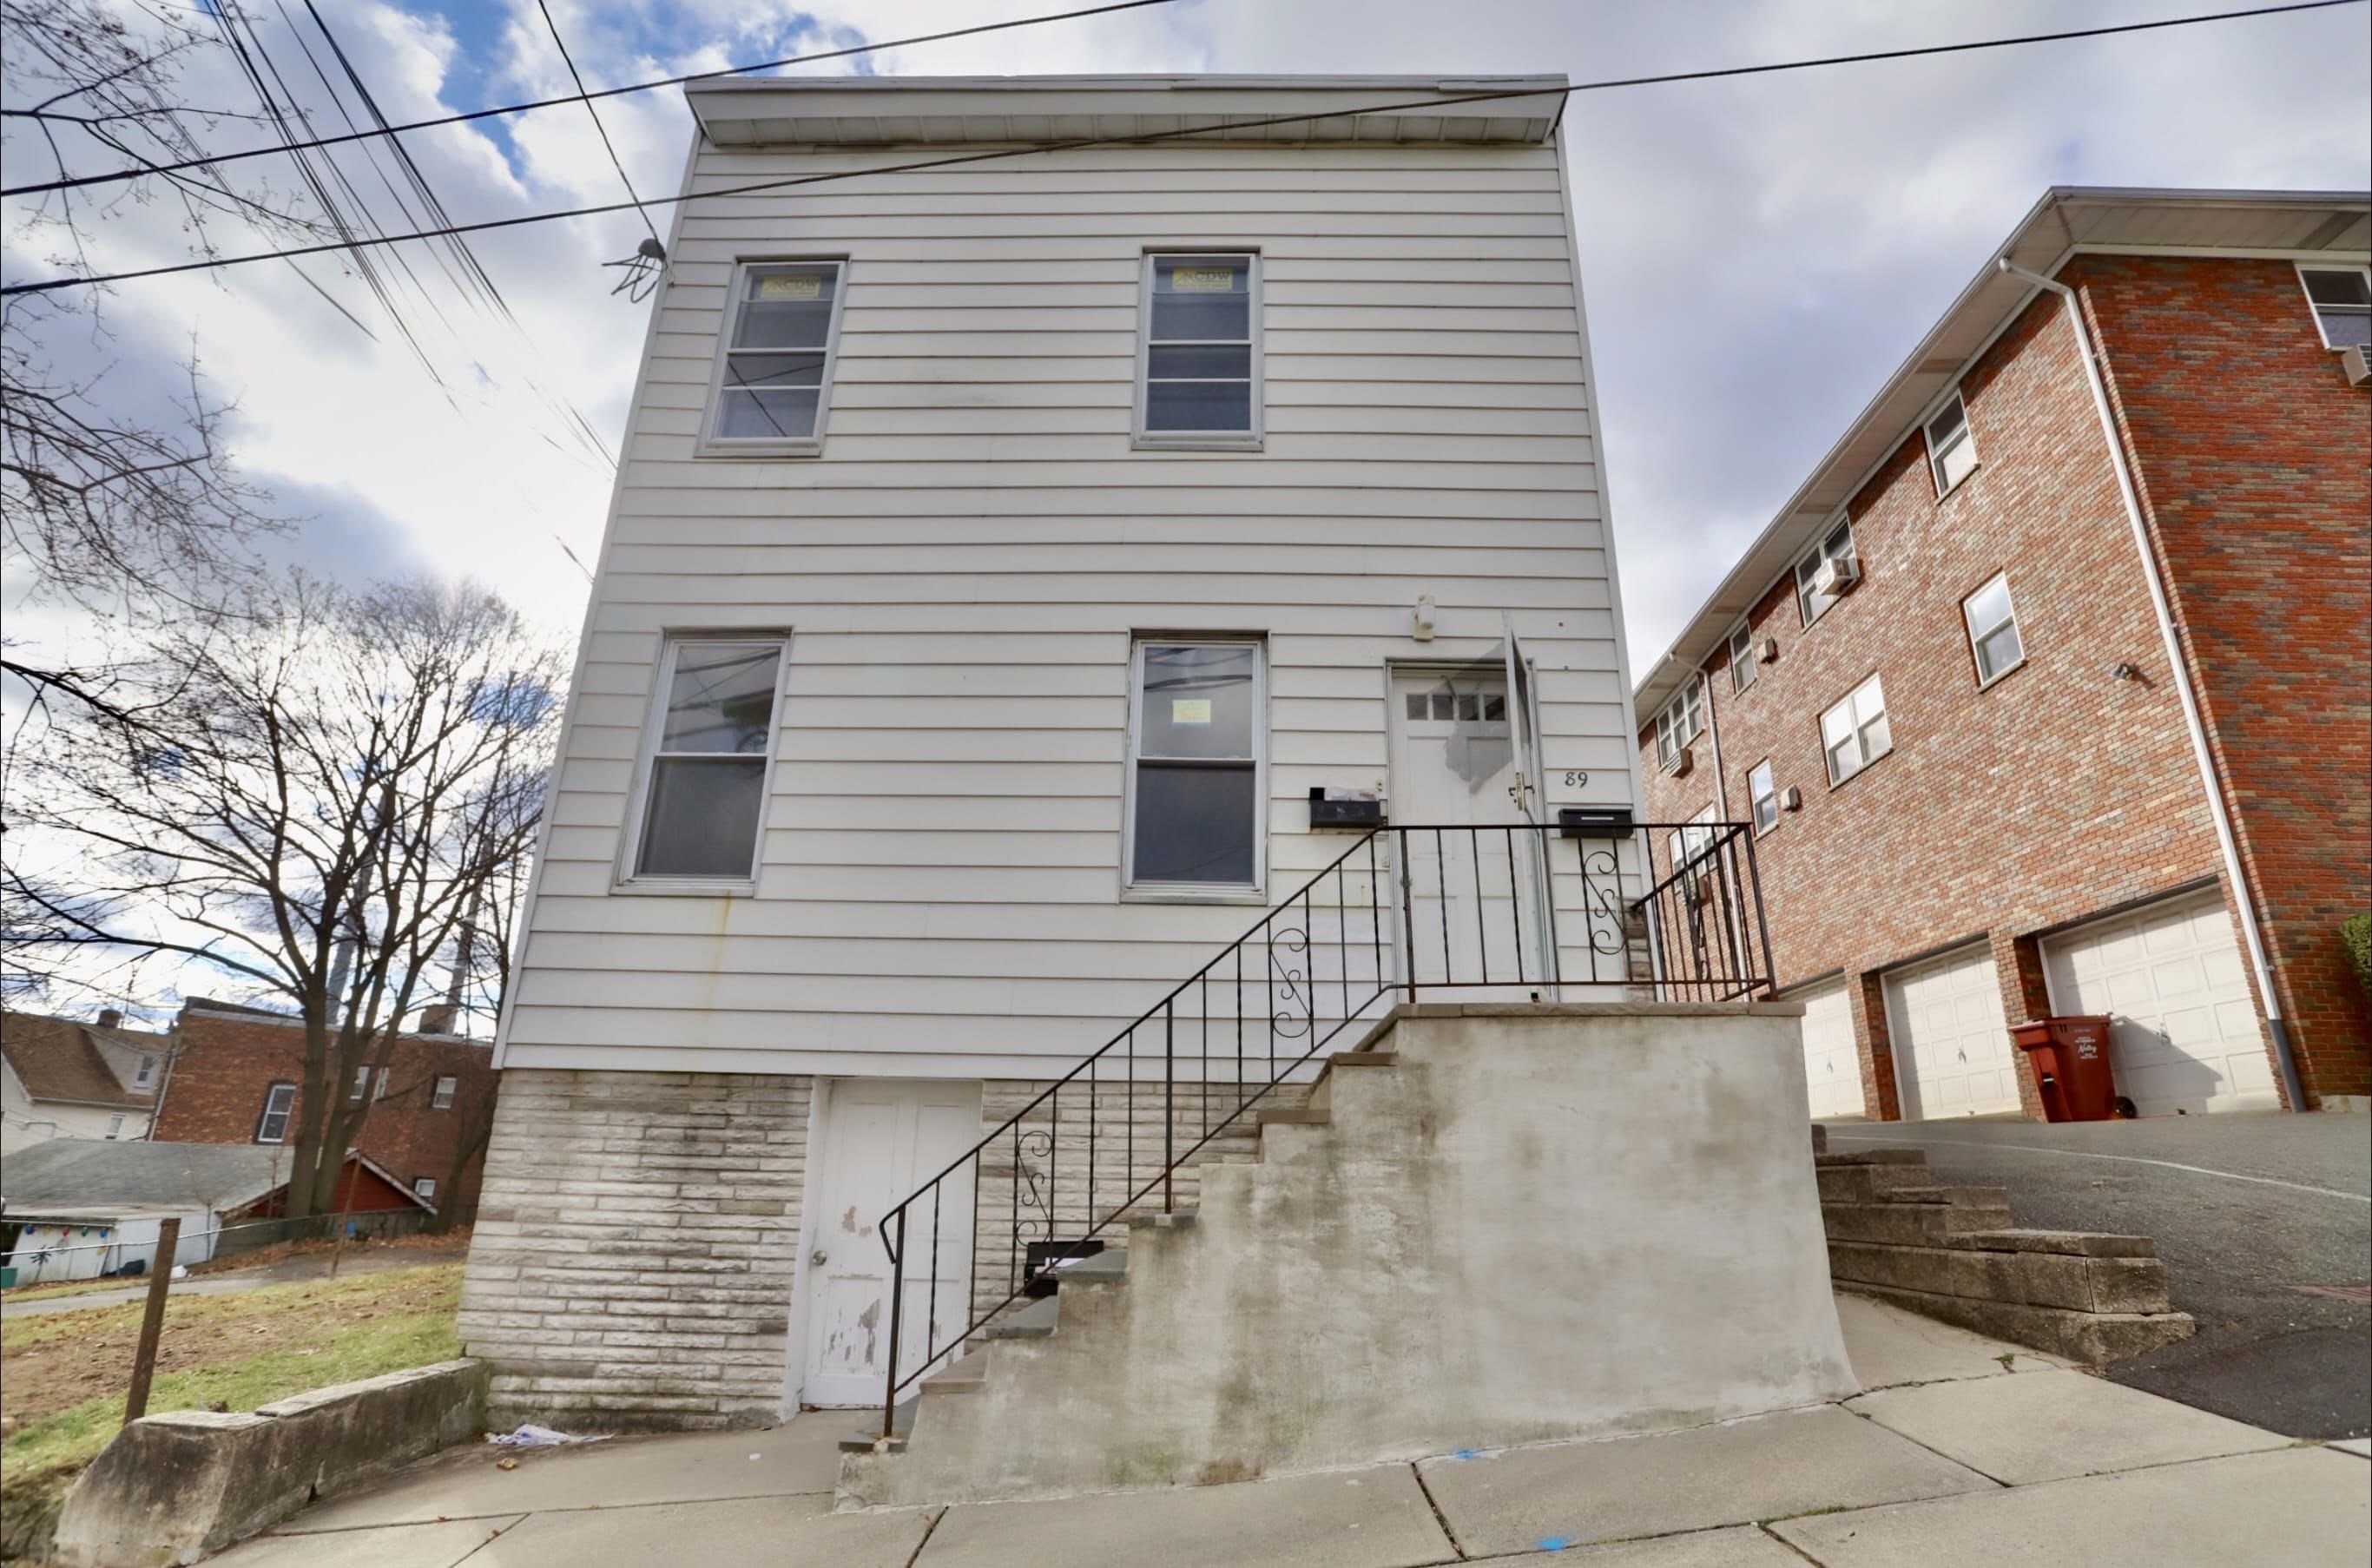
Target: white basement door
882,1138
1832,1065
1952,1053
2186,1035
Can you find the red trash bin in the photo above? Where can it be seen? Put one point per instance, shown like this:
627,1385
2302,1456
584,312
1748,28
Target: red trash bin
2071,1066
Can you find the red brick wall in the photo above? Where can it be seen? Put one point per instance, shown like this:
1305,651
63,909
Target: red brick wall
2052,794
224,1063
2254,460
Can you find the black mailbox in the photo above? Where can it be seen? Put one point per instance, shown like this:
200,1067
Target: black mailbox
1594,821
1343,813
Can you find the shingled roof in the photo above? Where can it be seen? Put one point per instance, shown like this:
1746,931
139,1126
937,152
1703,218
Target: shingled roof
58,1059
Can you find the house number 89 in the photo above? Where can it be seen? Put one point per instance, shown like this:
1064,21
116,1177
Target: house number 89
1576,780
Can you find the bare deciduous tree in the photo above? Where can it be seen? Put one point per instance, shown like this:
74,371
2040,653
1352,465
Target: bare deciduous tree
344,784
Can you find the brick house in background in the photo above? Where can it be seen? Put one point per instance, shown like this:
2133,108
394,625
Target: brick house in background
1940,685
235,1078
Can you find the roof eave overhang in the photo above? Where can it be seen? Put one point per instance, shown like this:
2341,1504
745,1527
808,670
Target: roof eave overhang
2067,222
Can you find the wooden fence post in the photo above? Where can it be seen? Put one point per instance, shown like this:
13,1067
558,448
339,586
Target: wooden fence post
152,1325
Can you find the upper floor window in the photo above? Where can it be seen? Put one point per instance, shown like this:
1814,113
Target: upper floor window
2342,298
1681,722
1195,754
1992,631
1692,841
146,1074
1764,793
1822,577
279,1104
1199,358
1951,450
773,363
362,1084
1741,658
440,1097
710,745
1855,733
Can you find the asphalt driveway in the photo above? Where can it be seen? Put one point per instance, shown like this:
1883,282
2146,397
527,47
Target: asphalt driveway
2257,1216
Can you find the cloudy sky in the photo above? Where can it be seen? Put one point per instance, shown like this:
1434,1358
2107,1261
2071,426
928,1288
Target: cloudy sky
1758,253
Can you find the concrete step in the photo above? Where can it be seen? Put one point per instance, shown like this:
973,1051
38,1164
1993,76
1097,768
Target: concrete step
1154,1219
965,1376
2093,1338
1907,1225
1963,1197
1035,1321
1103,1267
865,1439
2037,1279
1321,1093
1301,1116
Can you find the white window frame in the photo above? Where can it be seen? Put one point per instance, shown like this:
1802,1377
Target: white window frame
646,757
1852,702
1977,634
1251,440
114,1127
146,1074
1965,436
2316,309
1692,841
287,1112
443,1091
713,445
1809,563
1741,658
425,1187
1763,790
361,1090
1681,721
1196,892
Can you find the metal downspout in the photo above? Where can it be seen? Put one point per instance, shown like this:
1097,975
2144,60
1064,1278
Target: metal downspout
2285,1056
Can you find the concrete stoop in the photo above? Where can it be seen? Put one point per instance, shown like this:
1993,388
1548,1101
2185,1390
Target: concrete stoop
1491,1225
1953,1253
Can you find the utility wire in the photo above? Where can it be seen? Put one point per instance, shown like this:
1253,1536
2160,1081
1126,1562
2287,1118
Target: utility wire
624,177
579,97
1211,130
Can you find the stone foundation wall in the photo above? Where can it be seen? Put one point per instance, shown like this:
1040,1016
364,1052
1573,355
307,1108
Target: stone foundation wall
636,1241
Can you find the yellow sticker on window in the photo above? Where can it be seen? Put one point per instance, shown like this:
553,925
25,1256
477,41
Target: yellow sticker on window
792,286
1189,710
1202,280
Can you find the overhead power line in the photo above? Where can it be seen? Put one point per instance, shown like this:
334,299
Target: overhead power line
602,131
580,96
1218,128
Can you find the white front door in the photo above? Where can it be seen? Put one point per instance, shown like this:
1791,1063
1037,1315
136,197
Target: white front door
1832,1064
882,1138
1473,916
2184,1033
1952,1054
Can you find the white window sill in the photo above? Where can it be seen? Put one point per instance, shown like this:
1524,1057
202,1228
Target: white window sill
1960,484
771,451
1216,442
1188,893
684,887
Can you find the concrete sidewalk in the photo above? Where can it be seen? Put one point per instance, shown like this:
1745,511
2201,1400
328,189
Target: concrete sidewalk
1962,1451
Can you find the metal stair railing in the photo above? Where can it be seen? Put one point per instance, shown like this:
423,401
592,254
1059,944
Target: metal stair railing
1393,929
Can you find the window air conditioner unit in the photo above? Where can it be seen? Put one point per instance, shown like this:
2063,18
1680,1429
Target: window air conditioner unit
1680,763
1833,577
1767,650
2358,362
1791,798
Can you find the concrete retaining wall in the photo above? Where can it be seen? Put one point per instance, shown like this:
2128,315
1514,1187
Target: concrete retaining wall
1536,1223
171,1488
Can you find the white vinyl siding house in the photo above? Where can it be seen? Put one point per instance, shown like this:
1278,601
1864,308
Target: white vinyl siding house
991,540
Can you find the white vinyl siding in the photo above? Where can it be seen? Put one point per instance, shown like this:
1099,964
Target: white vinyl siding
2342,299
1951,450
969,563
1855,732
1994,640
772,386
1199,351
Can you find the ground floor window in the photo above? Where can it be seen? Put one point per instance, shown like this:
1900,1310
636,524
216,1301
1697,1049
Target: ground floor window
1197,743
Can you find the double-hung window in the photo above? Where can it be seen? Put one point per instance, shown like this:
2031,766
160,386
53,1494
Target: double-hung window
774,365
1992,631
279,1105
362,1084
1855,733
1692,841
441,1097
1681,722
2342,298
710,744
146,1074
1199,359
1951,450
114,1127
1764,794
1197,738
1816,590
1741,658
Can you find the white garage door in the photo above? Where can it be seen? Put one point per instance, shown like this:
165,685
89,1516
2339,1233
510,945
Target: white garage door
1832,1065
2186,1035
1952,1053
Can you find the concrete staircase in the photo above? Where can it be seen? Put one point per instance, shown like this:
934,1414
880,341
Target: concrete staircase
1954,1253
1490,1225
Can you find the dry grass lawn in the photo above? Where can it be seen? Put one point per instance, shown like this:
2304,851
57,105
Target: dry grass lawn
62,1374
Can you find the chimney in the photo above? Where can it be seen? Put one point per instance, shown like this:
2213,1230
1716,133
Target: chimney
110,1018
436,1018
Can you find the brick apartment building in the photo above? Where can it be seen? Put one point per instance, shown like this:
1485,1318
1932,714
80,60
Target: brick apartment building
234,1076
1941,682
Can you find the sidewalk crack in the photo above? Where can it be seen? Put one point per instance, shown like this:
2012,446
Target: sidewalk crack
1439,1517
